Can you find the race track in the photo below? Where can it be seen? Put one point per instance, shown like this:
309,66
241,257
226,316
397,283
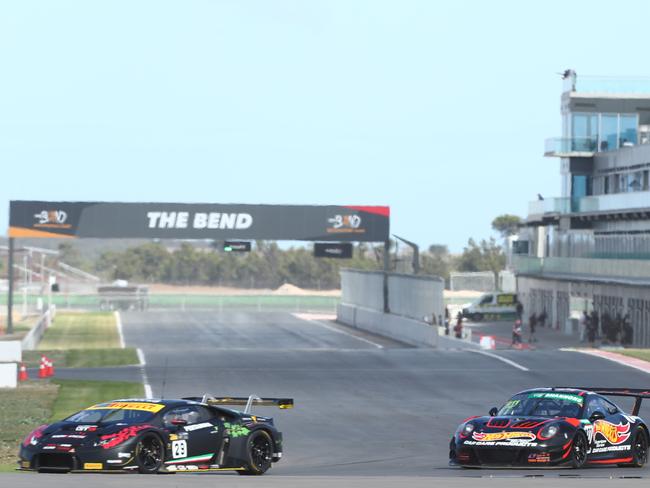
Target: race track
365,407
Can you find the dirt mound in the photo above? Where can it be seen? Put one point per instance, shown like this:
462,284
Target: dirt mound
289,289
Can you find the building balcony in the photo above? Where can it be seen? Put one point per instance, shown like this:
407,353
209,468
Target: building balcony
570,147
624,271
596,204
549,206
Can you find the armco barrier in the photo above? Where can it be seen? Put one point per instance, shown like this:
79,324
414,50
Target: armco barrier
395,327
34,336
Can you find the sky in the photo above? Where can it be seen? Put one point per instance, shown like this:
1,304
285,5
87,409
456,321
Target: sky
438,109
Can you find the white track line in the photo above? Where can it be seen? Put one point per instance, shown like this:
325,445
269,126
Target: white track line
118,322
502,359
145,381
334,329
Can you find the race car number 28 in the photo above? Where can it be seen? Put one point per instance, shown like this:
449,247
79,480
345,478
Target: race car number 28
179,449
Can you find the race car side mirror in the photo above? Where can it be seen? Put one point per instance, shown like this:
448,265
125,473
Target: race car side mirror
493,411
596,416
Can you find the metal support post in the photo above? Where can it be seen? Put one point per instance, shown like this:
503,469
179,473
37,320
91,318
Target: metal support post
10,292
386,270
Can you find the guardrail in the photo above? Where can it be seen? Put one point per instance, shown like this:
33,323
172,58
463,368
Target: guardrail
34,336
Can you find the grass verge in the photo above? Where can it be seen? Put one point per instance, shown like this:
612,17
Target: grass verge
635,353
83,358
94,330
35,403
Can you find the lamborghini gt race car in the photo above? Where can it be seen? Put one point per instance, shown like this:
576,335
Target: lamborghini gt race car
569,427
150,436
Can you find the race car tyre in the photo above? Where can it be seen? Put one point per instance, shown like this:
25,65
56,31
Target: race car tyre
149,454
477,317
639,449
260,453
579,450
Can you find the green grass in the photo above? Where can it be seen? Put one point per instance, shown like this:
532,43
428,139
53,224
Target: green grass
90,330
635,353
35,403
21,411
83,358
75,395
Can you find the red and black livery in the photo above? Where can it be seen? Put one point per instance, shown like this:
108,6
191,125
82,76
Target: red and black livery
150,436
544,427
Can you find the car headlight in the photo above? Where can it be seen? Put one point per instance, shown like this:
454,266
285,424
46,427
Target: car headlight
468,428
548,431
33,438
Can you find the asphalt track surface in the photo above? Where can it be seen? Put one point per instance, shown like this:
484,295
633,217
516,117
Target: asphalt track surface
369,411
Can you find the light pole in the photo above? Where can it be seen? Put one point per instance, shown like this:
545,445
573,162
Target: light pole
416,253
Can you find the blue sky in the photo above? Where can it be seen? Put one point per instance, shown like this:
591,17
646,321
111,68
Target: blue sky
438,109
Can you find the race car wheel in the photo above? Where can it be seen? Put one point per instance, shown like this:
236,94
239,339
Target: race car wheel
259,450
639,449
579,450
149,454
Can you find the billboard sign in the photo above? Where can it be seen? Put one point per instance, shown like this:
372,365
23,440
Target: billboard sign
347,223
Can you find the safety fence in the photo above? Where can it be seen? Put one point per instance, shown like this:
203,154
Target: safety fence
293,303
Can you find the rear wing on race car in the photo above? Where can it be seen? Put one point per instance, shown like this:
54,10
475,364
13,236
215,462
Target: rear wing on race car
283,403
637,394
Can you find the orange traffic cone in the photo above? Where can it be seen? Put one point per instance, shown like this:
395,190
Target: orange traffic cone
22,373
50,367
42,371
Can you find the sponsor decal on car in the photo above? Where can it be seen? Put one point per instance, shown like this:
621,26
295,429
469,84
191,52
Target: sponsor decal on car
502,436
204,425
86,428
614,433
558,396
539,457
142,406
93,466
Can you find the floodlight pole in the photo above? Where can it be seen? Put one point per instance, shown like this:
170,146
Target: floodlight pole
10,292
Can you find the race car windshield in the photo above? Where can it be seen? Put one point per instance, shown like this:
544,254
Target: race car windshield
543,404
111,415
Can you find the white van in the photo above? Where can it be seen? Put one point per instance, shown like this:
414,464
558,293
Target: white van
491,306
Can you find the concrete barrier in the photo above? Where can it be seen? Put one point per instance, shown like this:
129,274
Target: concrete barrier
394,327
8,375
10,351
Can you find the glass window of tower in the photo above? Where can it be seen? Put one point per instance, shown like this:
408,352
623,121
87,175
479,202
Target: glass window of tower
628,130
608,132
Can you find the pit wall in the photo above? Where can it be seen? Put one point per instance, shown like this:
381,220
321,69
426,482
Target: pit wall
415,303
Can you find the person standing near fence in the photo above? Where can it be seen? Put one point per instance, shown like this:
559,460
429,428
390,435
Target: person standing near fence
458,328
516,334
532,325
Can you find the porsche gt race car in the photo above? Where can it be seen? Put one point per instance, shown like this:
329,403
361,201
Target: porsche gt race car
570,427
150,436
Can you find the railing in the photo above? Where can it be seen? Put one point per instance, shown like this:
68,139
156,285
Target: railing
604,84
615,201
570,146
603,268
549,205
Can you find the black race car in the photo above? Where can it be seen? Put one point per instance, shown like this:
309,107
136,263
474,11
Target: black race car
542,427
150,436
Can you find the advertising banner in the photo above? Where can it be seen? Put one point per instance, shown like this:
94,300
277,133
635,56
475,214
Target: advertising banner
345,223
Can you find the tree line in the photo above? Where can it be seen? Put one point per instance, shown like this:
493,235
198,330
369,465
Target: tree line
269,266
